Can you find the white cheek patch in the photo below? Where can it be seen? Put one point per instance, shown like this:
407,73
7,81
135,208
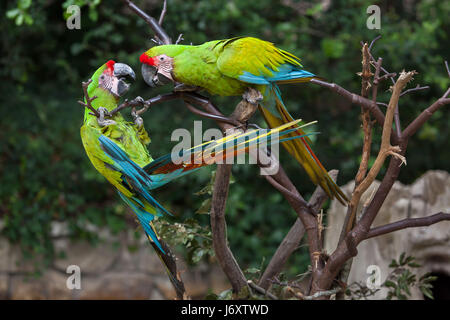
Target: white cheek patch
109,83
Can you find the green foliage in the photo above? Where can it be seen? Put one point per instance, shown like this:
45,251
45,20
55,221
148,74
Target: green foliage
402,278
399,282
195,240
45,176
20,14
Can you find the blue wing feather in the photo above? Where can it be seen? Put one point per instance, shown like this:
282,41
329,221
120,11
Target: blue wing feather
285,72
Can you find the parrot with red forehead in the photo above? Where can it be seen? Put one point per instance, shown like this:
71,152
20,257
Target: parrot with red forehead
227,68
117,149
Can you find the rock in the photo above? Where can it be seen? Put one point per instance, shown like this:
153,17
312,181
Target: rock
430,245
114,285
90,259
4,285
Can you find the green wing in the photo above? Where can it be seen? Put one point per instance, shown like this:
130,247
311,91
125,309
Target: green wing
127,137
89,136
251,55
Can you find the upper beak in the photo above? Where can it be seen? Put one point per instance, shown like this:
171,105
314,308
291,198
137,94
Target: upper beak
152,77
123,72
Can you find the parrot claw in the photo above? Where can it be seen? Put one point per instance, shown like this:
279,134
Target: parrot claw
101,118
252,96
138,121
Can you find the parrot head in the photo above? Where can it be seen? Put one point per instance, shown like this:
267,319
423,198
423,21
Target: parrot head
112,77
158,64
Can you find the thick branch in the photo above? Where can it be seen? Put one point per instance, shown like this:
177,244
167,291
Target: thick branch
244,110
408,223
219,229
347,248
292,240
350,217
386,148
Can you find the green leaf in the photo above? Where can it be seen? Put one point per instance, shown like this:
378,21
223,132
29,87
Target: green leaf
19,20
414,265
402,256
24,4
427,292
252,270
390,284
226,295
205,207
11,14
393,264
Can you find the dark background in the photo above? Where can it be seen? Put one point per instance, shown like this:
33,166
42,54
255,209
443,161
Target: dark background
45,175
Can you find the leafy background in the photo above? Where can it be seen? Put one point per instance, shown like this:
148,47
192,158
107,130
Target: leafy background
45,175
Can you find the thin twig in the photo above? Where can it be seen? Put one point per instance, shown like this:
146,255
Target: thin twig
154,25
263,291
88,99
417,88
179,39
446,66
163,13
373,41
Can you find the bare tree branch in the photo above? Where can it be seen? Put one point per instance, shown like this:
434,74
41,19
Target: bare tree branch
350,217
89,100
263,291
354,98
417,123
244,110
417,88
219,230
163,13
292,240
408,223
154,25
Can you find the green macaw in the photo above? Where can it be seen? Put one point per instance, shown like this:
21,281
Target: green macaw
117,149
227,68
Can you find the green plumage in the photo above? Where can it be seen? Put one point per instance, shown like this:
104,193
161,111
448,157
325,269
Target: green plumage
228,67
125,134
217,65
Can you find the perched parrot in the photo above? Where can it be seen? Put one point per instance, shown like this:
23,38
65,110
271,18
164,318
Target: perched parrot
227,68
117,149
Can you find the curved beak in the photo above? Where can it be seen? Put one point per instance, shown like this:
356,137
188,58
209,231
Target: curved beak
152,77
123,73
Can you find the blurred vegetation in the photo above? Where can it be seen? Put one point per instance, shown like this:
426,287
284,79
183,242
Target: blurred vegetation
403,277
45,175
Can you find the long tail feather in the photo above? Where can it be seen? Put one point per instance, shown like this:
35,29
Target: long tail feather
219,151
301,151
168,262
146,220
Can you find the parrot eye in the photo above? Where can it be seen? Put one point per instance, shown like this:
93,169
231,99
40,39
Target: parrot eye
102,77
161,58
